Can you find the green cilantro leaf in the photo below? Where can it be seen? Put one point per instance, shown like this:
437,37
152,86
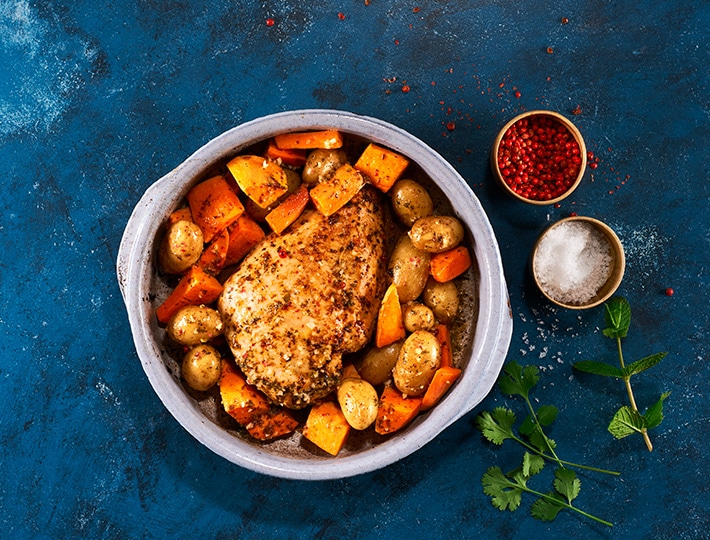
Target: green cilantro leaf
517,380
541,441
566,483
626,422
496,426
504,494
547,508
617,317
654,414
546,414
532,464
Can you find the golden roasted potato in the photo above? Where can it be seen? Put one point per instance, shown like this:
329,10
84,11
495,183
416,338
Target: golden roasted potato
417,316
410,201
442,298
417,362
377,365
409,268
321,164
181,247
201,367
192,325
435,234
358,400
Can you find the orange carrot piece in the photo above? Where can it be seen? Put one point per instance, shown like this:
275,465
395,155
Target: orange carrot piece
350,372
261,179
450,264
241,400
244,234
382,166
444,377
390,327
326,427
181,214
288,211
214,255
214,206
395,411
332,194
196,287
271,424
327,139
441,331
295,157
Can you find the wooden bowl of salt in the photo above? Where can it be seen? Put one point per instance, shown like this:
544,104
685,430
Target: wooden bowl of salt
578,262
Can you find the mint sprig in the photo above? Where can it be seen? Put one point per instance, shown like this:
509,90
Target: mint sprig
628,419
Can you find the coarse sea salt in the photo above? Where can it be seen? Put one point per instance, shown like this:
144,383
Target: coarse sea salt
573,261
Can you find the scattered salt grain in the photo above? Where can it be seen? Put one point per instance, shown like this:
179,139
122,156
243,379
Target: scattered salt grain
573,262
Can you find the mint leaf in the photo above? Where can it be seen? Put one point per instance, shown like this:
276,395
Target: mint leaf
517,380
504,494
618,317
654,414
496,426
626,422
598,368
566,483
644,364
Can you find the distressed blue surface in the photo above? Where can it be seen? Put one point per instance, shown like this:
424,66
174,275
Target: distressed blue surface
98,101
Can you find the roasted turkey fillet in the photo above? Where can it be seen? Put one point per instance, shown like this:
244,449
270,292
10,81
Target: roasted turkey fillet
301,299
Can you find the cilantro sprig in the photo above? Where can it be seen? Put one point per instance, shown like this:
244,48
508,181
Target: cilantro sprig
628,419
497,426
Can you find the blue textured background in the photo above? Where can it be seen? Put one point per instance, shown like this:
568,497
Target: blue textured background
98,100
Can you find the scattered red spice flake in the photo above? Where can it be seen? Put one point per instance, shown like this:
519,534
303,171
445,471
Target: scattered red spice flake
406,88
501,85
670,292
577,110
433,83
341,16
367,2
557,205
270,22
396,42
593,165
550,50
451,126
564,20
416,9
517,94
573,214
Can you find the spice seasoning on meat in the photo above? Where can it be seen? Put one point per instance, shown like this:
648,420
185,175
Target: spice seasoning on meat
573,262
539,158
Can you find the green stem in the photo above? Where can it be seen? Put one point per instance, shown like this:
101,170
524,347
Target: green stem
630,392
561,462
567,505
537,423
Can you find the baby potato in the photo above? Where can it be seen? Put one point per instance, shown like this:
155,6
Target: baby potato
358,400
321,164
442,298
409,268
417,362
192,325
410,201
435,234
417,316
181,247
201,367
377,365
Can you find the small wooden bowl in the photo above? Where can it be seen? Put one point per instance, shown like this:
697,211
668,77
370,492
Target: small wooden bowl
618,264
570,127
